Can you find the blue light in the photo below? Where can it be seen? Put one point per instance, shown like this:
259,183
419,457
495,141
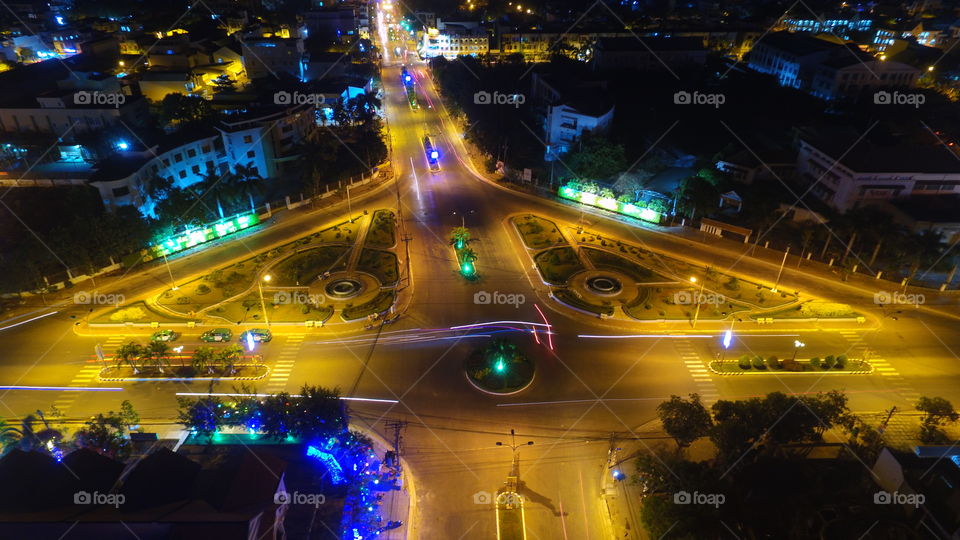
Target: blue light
123,145
618,474
250,343
727,339
330,462
434,155
408,78
60,21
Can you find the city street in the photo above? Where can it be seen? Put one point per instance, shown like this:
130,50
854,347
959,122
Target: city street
599,383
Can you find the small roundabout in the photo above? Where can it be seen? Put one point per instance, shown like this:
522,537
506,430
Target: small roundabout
500,367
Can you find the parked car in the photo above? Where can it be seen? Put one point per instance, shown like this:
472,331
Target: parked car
258,334
164,335
217,335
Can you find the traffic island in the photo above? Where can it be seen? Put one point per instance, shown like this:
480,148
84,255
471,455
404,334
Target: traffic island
243,372
499,368
771,365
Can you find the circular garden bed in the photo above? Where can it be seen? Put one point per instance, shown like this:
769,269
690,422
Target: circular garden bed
499,368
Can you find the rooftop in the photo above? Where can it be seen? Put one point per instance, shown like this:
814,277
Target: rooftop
798,43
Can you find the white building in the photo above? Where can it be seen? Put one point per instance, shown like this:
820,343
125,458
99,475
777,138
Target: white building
453,39
260,143
568,112
846,173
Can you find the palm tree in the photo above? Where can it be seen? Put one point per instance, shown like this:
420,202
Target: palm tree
460,237
46,439
229,356
9,436
159,354
130,353
203,357
468,255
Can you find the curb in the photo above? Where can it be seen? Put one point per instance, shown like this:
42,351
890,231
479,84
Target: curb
491,393
776,372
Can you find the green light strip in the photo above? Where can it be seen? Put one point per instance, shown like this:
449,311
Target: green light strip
204,234
627,209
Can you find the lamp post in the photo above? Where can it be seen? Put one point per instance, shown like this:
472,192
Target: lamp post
797,345
699,295
172,281
727,341
263,305
783,262
513,480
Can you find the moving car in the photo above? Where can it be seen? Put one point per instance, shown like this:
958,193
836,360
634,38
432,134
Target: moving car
164,335
433,155
258,334
217,335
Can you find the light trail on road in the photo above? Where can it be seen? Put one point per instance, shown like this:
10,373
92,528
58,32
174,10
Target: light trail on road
29,320
234,394
62,388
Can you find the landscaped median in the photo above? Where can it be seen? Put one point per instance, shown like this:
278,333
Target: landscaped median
597,274
156,361
772,365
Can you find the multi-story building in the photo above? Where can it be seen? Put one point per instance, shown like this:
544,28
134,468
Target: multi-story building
269,56
826,69
453,39
333,24
260,142
648,53
71,111
840,25
888,35
846,172
568,110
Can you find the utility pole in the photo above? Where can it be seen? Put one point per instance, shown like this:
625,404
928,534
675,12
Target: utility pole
397,426
513,479
883,425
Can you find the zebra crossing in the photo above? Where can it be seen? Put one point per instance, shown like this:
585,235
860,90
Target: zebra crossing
858,349
280,373
698,370
86,376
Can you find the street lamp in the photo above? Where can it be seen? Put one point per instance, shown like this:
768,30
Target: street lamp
727,341
797,345
514,477
780,272
172,281
263,306
696,314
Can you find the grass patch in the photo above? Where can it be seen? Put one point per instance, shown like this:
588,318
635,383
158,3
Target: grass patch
382,264
568,297
558,264
381,303
137,312
499,367
536,232
814,310
608,261
382,233
304,267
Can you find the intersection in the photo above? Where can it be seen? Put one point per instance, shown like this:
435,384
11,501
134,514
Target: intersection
600,383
